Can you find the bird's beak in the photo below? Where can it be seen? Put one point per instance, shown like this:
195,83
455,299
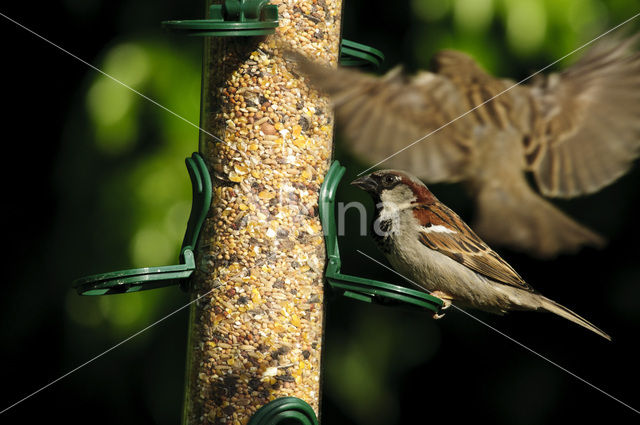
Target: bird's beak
366,183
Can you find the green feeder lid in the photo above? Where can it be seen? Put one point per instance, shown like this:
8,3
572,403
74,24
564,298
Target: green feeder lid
356,54
354,286
141,279
285,411
232,18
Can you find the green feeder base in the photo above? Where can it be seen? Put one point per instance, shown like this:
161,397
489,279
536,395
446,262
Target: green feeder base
285,411
354,286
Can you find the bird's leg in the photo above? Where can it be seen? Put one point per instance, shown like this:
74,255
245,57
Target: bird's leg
446,303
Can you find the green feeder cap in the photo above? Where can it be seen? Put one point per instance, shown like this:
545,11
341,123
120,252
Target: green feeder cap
285,411
232,18
356,54
356,287
156,277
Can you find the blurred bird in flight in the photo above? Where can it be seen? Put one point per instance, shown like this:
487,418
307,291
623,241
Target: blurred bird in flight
576,131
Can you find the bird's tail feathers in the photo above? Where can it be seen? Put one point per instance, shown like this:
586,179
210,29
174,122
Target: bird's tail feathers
522,220
553,307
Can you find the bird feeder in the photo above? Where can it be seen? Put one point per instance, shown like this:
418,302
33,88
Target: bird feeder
262,220
255,342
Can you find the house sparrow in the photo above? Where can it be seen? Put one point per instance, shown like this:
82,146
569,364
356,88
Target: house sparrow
577,131
428,243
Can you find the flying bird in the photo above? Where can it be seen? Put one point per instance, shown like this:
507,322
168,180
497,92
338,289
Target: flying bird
429,244
575,131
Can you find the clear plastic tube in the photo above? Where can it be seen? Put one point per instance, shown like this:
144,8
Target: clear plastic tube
268,143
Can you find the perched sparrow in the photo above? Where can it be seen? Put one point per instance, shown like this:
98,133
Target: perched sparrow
428,243
576,131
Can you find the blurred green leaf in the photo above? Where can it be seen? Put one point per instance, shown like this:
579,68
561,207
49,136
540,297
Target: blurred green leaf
473,15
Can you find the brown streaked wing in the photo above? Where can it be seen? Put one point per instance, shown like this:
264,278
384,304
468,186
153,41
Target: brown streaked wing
464,246
382,115
588,121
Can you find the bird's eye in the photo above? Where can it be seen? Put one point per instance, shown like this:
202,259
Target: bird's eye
389,180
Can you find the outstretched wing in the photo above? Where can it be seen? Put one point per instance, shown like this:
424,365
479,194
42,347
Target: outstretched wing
383,115
588,131
443,231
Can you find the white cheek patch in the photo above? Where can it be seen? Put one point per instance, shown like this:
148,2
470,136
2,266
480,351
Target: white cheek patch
400,195
438,228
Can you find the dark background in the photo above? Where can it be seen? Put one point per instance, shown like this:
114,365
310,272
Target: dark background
88,190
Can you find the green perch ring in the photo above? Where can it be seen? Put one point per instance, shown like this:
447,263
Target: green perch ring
141,279
285,411
354,54
232,18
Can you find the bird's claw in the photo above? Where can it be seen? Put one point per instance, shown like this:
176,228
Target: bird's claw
446,303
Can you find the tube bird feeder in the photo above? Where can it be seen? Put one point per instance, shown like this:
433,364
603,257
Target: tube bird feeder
267,140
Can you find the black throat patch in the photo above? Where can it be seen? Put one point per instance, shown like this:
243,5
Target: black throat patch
381,233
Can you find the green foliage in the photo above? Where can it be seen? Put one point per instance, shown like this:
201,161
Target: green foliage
496,31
